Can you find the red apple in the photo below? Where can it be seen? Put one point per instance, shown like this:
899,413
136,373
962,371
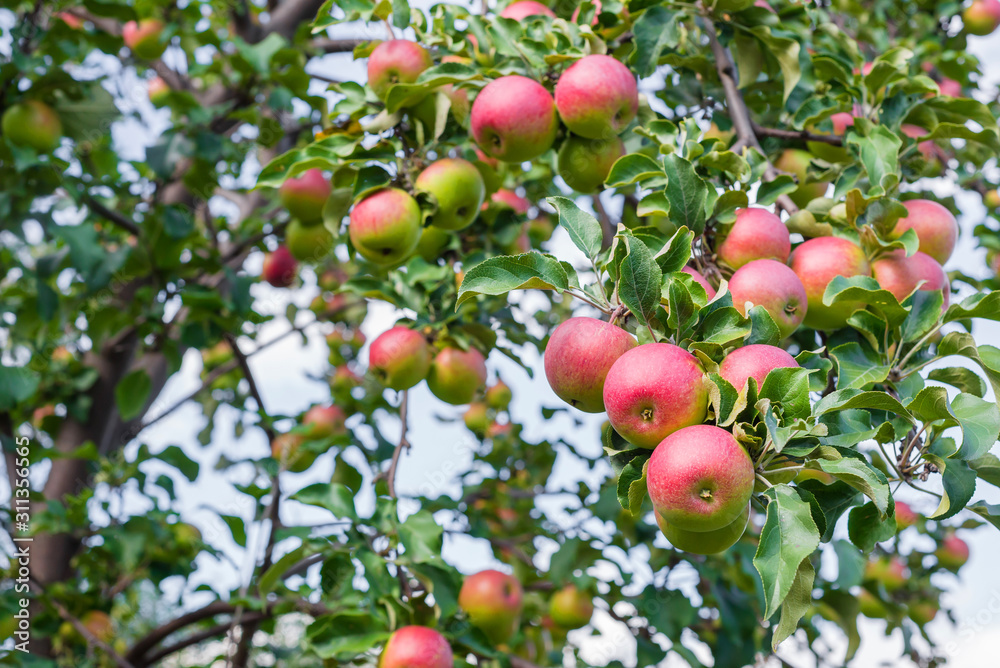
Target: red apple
493,602
280,268
754,361
456,375
304,196
159,91
584,164
400,358
774,286
701,280
935,225
143,38
74,22
416,647
32,123
498,396
705,542
757,234
571,608
477,418
578,356
385,226
905,517
518,11
950,88
652,391
324,421
796,162
597,97
700,478
900,275
952,553
287,449
510,199
927,148
344,379
817,262
458,190
981,17
99,625
514,119
891,572
396,61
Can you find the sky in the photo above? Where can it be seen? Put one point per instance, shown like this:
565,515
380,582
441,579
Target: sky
442,446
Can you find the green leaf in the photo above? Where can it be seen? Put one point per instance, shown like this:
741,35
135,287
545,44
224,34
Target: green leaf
332,496
987,468
980,305
990,513
342,636
988,357
691,198
925,311
237,528
175,456
676,252
499,275
852,468
655,30
980,422
796,604
790,388
866,526
867,291
17,384
850,565
763,328
842,400
960,377
401,14
857,366
879,154
132,392
633,168
727,402
959,483
788,537
639,280
632,485
422,536
584,230
768,192
272,576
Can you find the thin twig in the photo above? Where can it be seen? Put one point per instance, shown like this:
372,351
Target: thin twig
802,135
390,476
91,639
112,216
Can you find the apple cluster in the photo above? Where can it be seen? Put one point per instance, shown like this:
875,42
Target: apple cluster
656,395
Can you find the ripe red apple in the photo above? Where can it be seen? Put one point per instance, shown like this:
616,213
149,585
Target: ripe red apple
981,17
597,97
757,234
652,391
396,61
774,286
891,572
796,162
493,602
905,517
705,542
498,396
304,196
935,225
952,553
143,38
514,119
584,163
700,478
308,243
508,198
32,123
456,375
579,355
159,91
702,281
287,449
817,262
416,647
522,9
458,189
74,22
754,361
950,88
900,274
400,358
280,268
571,608
385,226
324,421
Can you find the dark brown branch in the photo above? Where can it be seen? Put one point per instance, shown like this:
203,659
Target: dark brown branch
111,216
328,45
390,476
91,639
802,135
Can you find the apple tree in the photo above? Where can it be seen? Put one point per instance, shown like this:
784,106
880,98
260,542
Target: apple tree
720,224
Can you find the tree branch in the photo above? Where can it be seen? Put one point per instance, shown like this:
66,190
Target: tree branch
91,639
390,475
803,135
327,45
738,111
112,216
